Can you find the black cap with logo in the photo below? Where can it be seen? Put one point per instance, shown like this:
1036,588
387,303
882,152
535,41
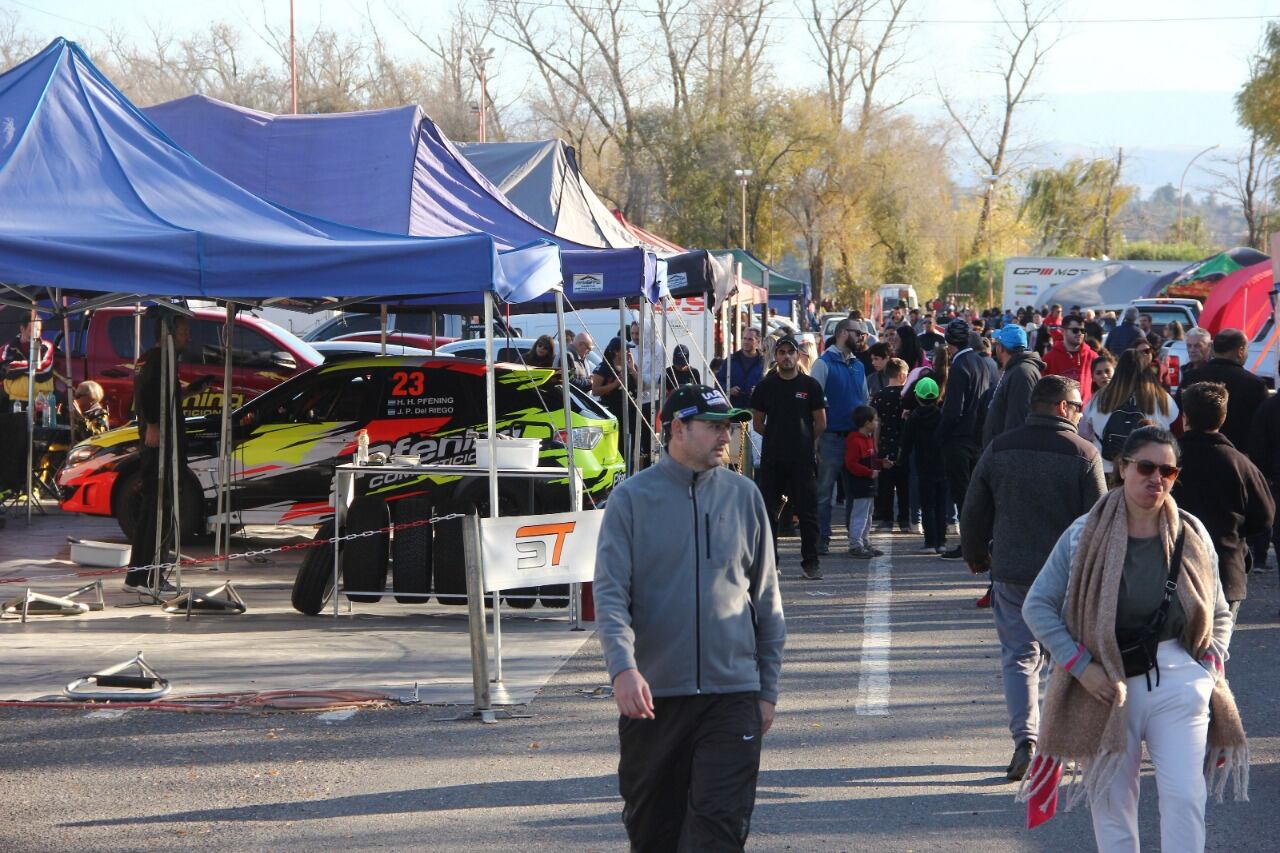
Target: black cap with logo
701,402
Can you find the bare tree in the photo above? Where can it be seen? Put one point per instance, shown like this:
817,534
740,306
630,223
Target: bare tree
1246,180
1023,52
853,55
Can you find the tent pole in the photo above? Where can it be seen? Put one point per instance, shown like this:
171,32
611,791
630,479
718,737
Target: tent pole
137,335
435,315
571,463
382,328
224,444
157,555
177,422
34,346
662,396
491,433
642,365
622,377
73,414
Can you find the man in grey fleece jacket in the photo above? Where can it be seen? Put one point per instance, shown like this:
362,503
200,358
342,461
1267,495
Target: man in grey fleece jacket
1010,528
690,618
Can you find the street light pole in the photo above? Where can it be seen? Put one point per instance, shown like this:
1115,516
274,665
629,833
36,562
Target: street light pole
293,61
991,209
772,190
478,59
744,175
1180,183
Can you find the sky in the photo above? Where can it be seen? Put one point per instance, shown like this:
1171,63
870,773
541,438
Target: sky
1155,77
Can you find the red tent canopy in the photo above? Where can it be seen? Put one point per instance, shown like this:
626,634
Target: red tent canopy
1241,300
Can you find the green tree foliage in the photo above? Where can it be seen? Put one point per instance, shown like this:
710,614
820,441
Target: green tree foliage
1073,208
1146,250
1258,101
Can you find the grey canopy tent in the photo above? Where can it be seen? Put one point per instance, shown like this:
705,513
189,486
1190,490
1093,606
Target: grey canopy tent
1110,285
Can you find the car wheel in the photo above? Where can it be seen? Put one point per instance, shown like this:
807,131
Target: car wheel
521,598
126,499
449,563
365,559
411,550
313,587
554,596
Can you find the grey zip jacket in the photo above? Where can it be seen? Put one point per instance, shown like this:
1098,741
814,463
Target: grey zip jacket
685,586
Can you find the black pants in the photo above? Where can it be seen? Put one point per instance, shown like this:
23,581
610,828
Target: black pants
959,456
688,777
144,534
893,482
933,511
798,482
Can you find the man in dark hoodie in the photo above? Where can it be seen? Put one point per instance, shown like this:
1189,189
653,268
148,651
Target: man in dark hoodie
1126,334
1011,402
1009,529
958,434
1221,487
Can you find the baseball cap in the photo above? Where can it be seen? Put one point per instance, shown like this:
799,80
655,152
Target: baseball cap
1011,336
957,332
701,402
789,340
926,389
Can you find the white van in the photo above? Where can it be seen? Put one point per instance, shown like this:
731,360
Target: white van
892,296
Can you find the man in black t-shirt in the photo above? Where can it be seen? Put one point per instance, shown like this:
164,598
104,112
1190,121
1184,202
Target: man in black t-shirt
790,411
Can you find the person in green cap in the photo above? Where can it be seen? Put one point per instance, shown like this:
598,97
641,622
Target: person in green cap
919,441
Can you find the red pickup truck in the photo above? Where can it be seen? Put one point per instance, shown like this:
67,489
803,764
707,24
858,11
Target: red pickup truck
263,355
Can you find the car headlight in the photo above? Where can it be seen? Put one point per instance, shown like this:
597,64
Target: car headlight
83,453
584,438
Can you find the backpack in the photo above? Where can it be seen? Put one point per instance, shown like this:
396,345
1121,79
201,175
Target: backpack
1123,421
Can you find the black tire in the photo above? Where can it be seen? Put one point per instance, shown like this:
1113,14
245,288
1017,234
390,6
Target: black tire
508,504
364,560
313,587
127,495
449,569
547,596
411,550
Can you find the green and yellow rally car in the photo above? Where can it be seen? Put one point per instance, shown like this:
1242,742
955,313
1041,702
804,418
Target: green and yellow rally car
286,442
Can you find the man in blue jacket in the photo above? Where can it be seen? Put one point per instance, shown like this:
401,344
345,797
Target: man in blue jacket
691,624
844,382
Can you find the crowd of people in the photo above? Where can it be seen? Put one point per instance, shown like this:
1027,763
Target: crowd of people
1116,506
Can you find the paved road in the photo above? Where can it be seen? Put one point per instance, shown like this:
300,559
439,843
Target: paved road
890,736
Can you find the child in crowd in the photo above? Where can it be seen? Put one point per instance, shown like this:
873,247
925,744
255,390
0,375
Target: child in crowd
918,440
861,466
893,482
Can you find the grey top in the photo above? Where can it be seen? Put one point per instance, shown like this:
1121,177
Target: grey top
685,586
1047,599
1142,588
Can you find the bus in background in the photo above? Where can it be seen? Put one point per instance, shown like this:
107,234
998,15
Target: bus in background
891,296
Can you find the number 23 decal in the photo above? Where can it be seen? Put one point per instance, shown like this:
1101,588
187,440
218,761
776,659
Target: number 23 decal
408,384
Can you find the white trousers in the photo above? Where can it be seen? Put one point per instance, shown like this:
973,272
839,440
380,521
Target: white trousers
1173,719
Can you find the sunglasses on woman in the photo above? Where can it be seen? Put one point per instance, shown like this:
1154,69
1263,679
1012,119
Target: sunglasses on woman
1146,468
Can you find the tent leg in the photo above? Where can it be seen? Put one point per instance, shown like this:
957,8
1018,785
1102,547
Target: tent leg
34,347
642,366
224,444
626,403
571,463
491,432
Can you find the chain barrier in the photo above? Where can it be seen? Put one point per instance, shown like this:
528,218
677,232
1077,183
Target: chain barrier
243,555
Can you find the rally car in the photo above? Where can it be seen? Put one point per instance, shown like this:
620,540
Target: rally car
286,442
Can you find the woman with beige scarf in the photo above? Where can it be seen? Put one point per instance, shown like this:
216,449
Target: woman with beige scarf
1106,577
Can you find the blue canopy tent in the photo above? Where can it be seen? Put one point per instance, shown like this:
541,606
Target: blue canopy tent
97,199
388,169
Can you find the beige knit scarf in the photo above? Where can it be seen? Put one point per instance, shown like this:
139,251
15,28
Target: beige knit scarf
1076,727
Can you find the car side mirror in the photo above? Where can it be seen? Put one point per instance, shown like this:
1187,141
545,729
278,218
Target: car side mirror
284,361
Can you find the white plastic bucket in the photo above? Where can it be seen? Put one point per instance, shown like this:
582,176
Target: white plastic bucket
512,452
106,555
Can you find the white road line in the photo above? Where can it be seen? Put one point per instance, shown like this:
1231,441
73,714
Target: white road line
873,669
